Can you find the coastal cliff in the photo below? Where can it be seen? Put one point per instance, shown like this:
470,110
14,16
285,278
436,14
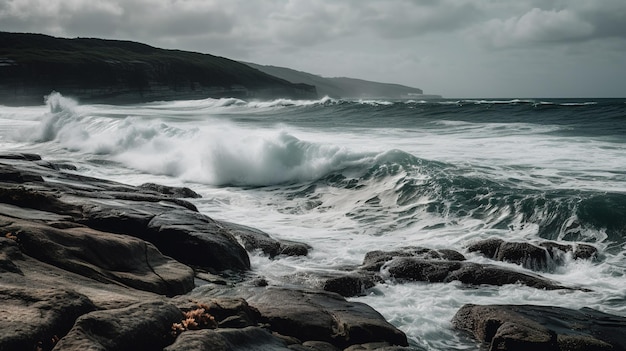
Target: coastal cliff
346,88
102,71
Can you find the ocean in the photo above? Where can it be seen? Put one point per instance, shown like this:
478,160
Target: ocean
352,176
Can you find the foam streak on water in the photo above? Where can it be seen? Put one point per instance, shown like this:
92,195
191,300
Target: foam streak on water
348,177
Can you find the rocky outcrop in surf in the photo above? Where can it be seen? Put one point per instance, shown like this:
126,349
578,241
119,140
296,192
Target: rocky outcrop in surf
87,263
527,327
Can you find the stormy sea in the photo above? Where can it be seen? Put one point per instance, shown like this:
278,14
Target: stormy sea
352,176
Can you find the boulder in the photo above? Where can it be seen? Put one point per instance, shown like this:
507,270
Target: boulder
415,269
543,256
374,260
228,339
173,191
528,327
322,316
525,254
353,284
33,317
196,239
228,312
145,326
105,257
254,239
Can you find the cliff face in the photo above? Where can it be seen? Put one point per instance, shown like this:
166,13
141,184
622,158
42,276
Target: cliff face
97,70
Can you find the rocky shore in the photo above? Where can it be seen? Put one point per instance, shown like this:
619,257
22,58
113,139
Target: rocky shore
87,263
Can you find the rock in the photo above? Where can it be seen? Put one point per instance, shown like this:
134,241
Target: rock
478,274
31,317
39,200
487,247
195,239
254,239
414,269
20,156
145,326
105,257
250,338
173,191
349,285
374,260
527,327
525,254
293,248
541,257
319,346
377,346
9,252
229,312
322,316
585,252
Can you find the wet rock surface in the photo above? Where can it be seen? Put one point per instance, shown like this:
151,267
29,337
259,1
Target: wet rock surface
92,264
527,327
540,256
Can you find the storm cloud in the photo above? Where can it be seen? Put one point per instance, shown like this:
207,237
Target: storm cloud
458,48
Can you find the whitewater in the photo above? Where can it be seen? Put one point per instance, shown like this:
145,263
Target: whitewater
352,176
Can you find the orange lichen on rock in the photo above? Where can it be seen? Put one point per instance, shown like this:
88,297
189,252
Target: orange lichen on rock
195,319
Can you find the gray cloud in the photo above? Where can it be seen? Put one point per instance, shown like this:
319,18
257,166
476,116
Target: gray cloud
442,46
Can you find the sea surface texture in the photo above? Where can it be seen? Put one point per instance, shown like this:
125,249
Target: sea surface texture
349,177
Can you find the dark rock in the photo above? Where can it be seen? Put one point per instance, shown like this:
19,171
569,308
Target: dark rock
525,254
195,239
292,248
527,327
12,175
451,255
144,326
9,252
20,156
183,192
349,285
541,257
57,166
378,346
254,239
374,260
250,338
322,316
478,274
229,312
415,269
319,346
39,200
31,317
585,251
104,257
487,247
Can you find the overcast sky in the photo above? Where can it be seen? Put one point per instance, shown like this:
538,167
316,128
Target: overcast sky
456,48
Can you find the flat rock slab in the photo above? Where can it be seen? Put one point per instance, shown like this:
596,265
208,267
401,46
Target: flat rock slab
545,328
32,317
322,316
105,257
143,326
245,339
441,271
